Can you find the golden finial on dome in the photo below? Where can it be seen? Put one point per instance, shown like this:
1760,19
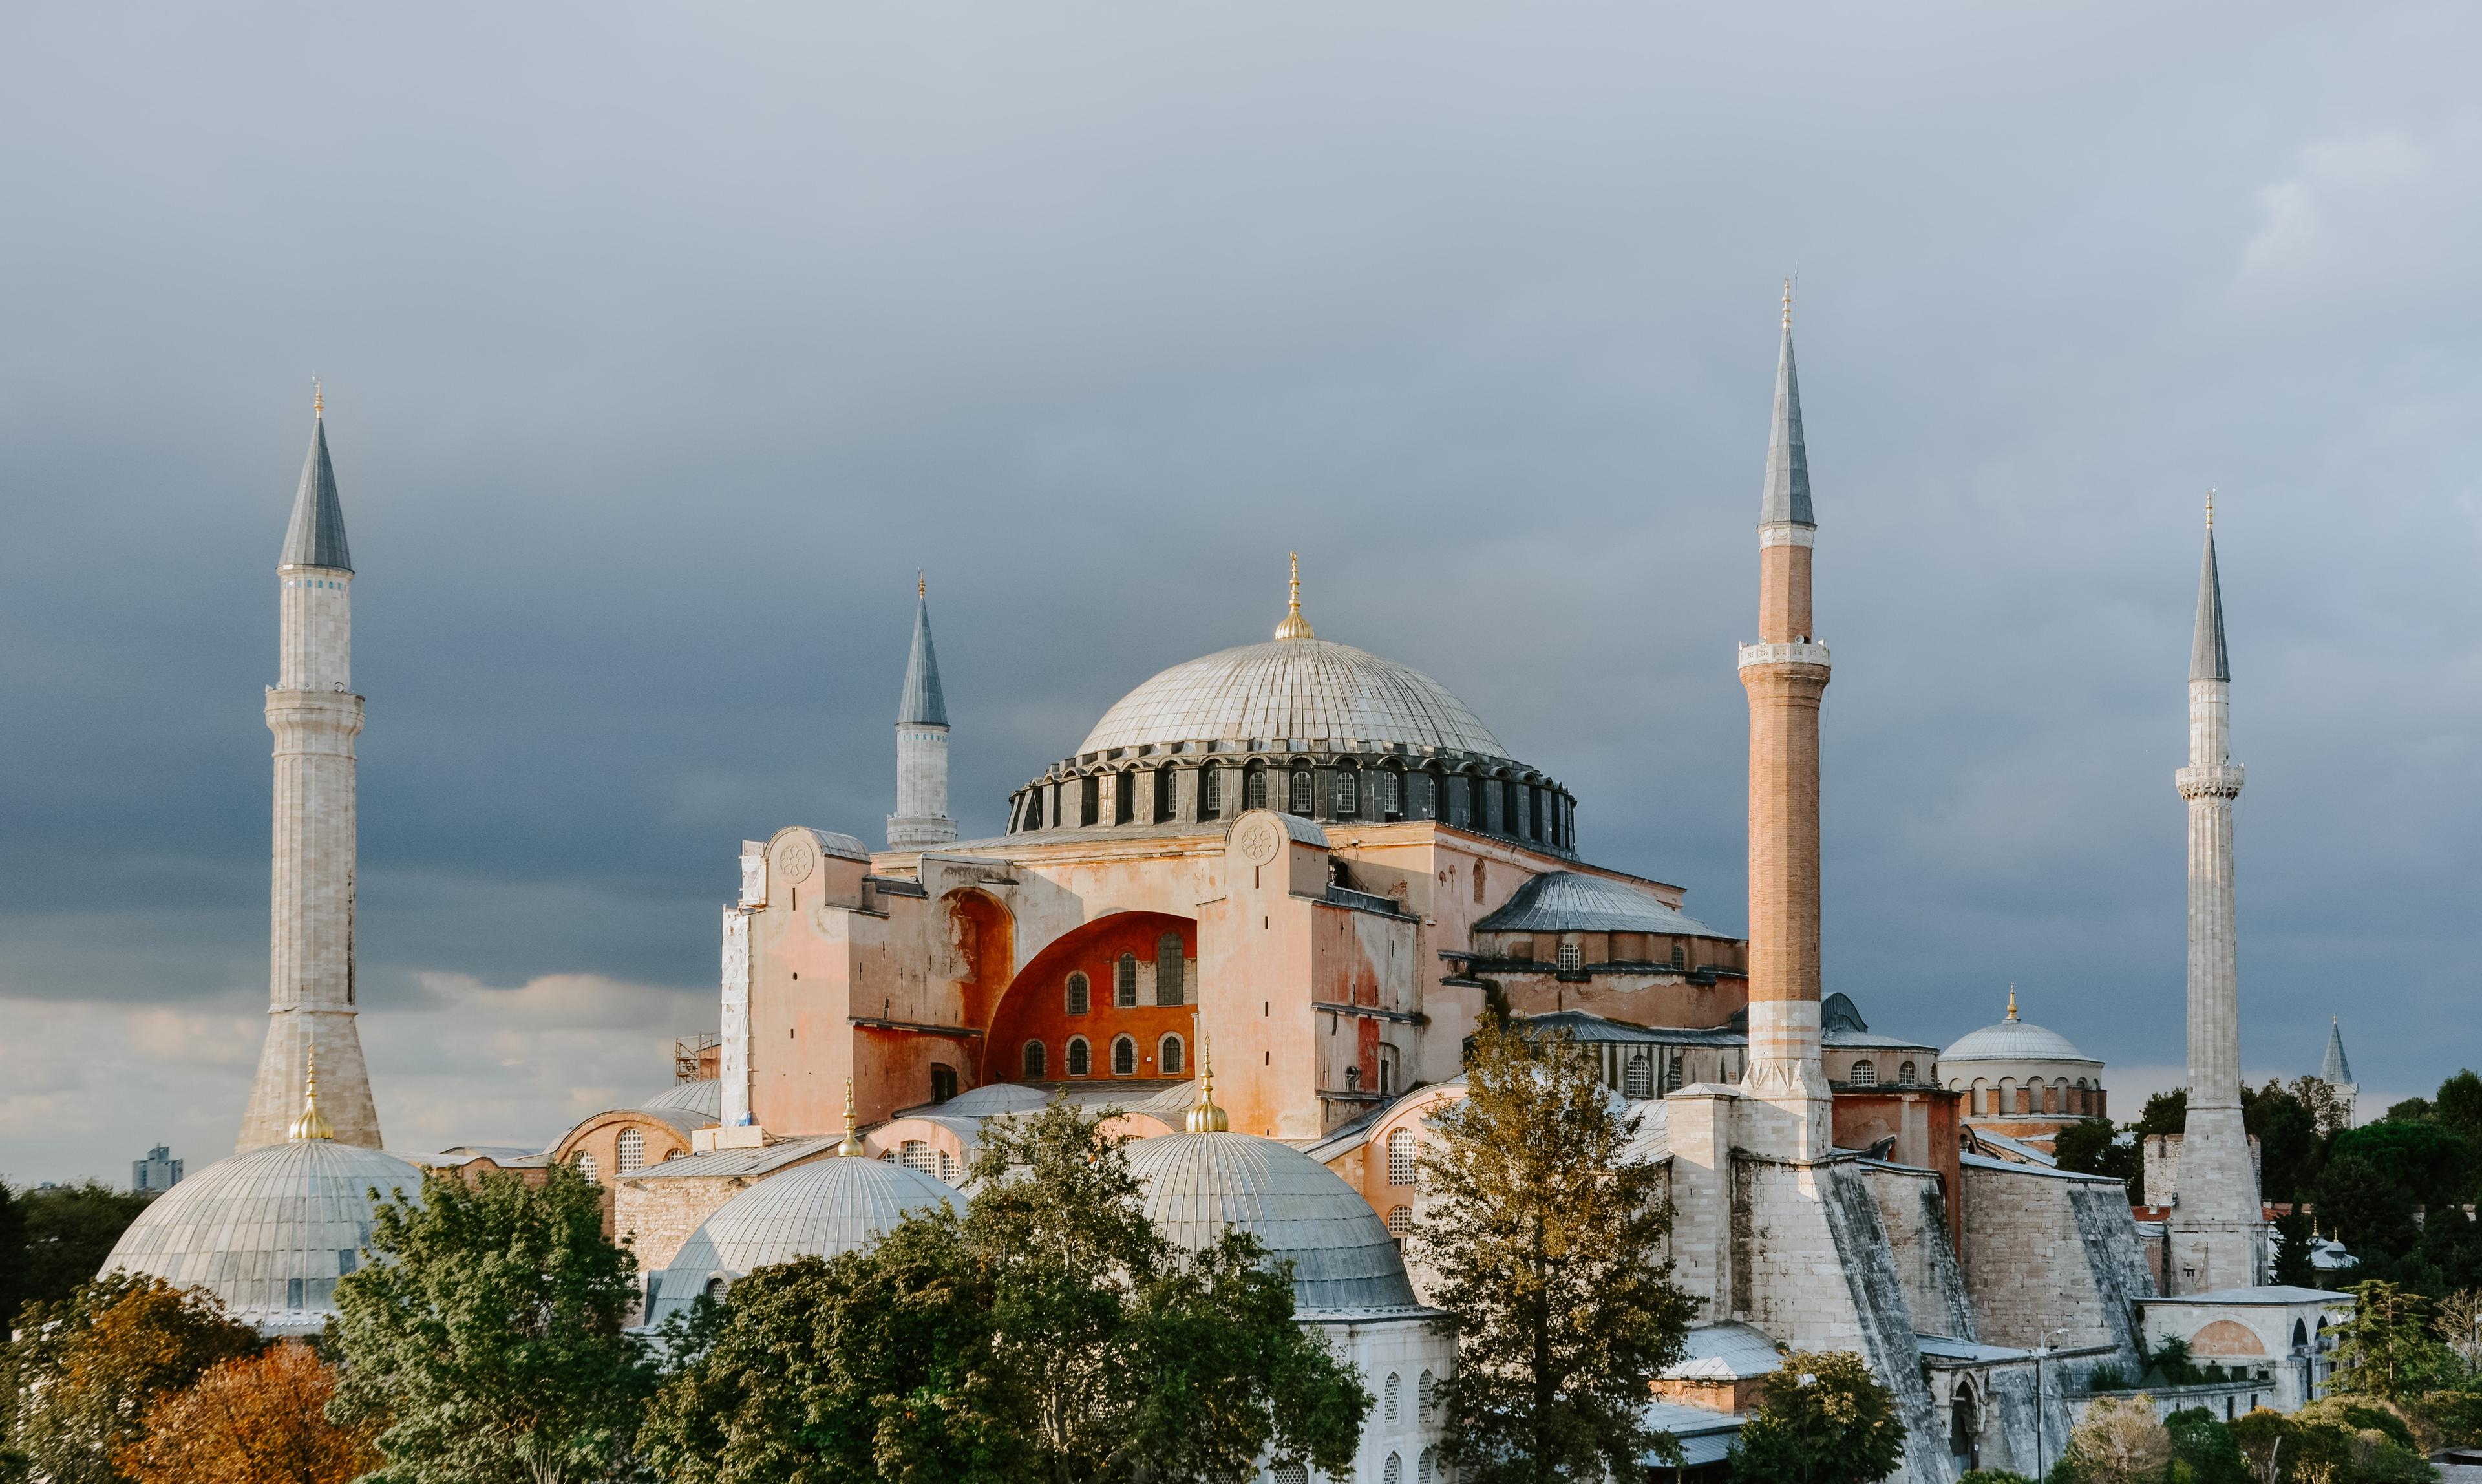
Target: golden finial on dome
852,1145
1295,626
2012,1002
312,1124
1205,1117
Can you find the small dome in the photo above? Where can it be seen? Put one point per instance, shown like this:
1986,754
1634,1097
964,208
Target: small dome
269,1231
1574,902
1293,688
831,1205
996,1097
704,1098
1343,1259
2013,1040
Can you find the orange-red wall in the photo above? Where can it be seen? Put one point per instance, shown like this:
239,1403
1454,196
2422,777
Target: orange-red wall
1036,1005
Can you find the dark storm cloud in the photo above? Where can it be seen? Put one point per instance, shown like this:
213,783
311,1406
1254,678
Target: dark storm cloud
662,346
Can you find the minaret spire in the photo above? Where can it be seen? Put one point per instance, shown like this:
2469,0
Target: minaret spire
315,715
2336,1072
1785,674
921,818
2216,1232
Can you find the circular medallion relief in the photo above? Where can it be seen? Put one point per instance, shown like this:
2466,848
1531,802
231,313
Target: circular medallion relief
795,861
1259,841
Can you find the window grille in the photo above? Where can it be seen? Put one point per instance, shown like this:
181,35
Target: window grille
1400,1222
1081,994
1427,1471
1125,1057
1394,1390
1403,1149
1081,1057
1394,1470
632,1150
586,1167
1426,1398
1299,799
1168,965
947,1168
1035,1062
1677,1082
1168,1056
1638,1082
1347,792
1865,1074
1293,1474
915,1155
1391,793
1210,791
1124,981
1906,1074
1571,957
717,1287
1253,789
1679,955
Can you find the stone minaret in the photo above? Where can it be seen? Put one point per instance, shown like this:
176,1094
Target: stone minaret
315,715
2218,1232
1786,675
921,819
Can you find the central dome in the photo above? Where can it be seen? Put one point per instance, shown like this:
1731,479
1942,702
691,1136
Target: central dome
1306,690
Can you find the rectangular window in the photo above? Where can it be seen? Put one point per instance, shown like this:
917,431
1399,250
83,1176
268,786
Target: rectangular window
1253,790
1347,793
1210,791
1299,801
1392,795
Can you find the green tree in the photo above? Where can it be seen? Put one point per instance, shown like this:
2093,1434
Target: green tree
2460,1106
488,1337
2385,1351
2365,1206
1822,1418
1050,1333
1547,1242
82,1373
2293,1236
2286,1123
2432,1161
2094,1146
53,1240
2119,1441
2204,1447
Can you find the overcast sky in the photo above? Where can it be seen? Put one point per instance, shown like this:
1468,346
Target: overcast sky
662,345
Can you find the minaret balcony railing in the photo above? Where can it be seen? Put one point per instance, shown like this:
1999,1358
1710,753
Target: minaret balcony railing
1803,652
2213,780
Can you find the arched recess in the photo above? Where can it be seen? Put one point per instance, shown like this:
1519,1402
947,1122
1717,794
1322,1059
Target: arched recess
1035,1006
982,939
2227,1338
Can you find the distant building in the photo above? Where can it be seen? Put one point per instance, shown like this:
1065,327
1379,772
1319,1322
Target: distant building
2022,1081
2337,1073
158,1171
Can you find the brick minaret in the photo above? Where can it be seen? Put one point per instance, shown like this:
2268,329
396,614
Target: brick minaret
315,715
921,819
2218,1231
1786,675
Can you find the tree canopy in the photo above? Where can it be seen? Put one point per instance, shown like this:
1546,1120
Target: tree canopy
53,1240
83,1372
1822,1418
256,1420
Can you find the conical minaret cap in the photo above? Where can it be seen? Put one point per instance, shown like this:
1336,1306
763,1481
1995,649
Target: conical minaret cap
312,1124
2207,660
316,536
2335,1071
922,704
1785,499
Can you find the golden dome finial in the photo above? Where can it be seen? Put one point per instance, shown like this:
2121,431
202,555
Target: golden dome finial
312,1124
852,1144
2012,1001
1205,1117
1295,626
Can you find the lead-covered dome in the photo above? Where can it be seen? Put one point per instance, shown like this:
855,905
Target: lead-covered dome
820,1209
1298,690
269,1231
1199,1184
2013,1040
703,1098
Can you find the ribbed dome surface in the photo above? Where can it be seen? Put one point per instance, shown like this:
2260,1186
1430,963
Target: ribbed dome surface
992,1098
704,1098
269,1231
831,1205
1343,1260
1305,689
2014,1041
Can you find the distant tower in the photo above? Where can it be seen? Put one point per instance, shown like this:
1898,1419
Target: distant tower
2337,1073
1786,675
921,818
2217,1227
315,715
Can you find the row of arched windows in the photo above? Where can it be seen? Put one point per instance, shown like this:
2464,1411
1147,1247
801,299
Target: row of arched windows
1866,1073
1535,810
2079,1098
1078,992
1172,1058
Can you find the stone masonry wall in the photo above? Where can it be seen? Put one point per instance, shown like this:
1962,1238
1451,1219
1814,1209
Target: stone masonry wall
1915,1214
2046,1252
656,1216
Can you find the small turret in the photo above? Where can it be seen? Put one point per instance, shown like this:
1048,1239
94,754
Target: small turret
921,818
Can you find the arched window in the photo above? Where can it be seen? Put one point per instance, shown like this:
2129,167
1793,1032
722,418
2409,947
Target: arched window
1403,1149
1034,808
1905,1075
947,1168
1297,799
1387,1069
1678,1080
1391,1392
1393,1471
1253,789
1571,957
1210,791
1167,963
1427,1470
1391,793
1081,1058
1081,994
1864,1074
1346,793
1164,794
1426,1398
1478,877
585,1165
915,1155
1124,981
1125,1057
1086,793
1037,1062
1638,1082
943,1082
2300,1337
1168,1057
1400,1222
716,1287
632,1152
1124,798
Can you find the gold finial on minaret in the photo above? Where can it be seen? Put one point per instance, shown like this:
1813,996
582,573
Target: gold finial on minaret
921,584
1205,1117
1787,301
318,399
312,1124
1295,626
2012,1001
852,1144
2210,507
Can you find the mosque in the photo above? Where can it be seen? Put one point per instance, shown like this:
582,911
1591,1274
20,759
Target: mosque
1306,826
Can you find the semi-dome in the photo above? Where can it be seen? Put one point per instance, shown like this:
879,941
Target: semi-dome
269,1231
703,1098
1344,1261
2013,1040
1309,690
831,1205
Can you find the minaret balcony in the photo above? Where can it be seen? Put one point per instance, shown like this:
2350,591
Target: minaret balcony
1803,652
2213,781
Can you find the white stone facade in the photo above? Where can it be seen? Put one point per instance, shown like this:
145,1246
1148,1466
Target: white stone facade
921,819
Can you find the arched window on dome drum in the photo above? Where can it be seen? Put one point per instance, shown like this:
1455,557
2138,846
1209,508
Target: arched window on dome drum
1168,1056
1163,793
1481,791
1391,794
1403,1149
1124,798
631,1150
1125,1057
585,1166
1087,789
1571,957
1297,797
1345,793
1081,1057
1638,1082
1393,1404
1037,1062
1124,982
1906,1074
716,1288
1168,966
1253,789
1080,994
1210,791
1864,1074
